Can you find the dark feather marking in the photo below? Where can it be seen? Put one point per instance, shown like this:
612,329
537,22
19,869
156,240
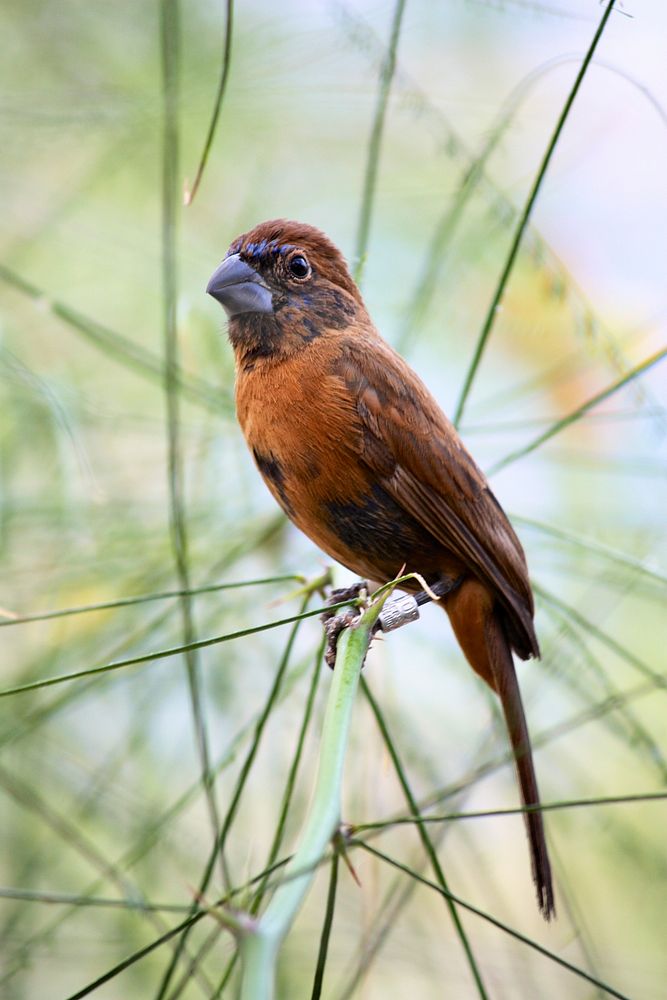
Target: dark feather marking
296,323
254,336
272,471
312,327
253,354
310,314
492,496
375,452
334,308
376,525
313,467
471,477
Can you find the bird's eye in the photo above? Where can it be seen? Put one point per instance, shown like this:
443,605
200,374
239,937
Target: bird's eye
299,267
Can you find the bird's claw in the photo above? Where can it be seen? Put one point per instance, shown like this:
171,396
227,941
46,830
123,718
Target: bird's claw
335,621
340,594
397,611
334,624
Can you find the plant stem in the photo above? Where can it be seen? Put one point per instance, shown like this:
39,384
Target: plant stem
260,945
375,142
523,220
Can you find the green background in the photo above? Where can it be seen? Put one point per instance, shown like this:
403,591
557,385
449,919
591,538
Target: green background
100,777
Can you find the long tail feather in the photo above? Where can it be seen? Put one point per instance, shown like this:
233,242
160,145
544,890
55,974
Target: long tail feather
507,686
479,627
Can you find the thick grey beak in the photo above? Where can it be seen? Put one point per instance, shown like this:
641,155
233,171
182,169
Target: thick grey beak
239,288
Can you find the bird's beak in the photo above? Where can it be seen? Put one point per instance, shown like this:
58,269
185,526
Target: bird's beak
239,288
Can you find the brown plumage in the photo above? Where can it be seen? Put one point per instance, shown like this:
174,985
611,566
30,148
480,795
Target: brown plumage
359,455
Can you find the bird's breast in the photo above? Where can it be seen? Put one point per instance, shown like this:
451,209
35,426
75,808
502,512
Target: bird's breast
302,427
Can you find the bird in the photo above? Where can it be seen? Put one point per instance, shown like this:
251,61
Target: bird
362,459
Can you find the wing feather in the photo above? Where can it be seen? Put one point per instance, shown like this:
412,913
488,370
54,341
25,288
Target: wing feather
419,458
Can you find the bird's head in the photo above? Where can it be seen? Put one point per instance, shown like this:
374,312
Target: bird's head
282,285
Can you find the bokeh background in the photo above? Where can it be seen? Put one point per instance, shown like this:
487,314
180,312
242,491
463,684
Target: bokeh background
100,777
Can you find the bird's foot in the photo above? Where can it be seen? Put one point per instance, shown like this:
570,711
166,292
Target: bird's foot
398,610
341,595
333,626
336,620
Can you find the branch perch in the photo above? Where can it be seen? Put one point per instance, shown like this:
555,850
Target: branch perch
261,940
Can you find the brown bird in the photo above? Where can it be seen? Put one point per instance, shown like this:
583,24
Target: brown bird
359,455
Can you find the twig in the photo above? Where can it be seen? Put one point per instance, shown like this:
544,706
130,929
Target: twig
375,141
190,193
260,945
523,220
577,413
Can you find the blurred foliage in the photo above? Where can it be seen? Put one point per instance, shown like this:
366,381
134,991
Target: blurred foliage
102,798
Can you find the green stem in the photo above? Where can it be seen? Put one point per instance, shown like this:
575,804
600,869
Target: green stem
119,348
261,944
171,37
222,85
578,413
523,220
426,840
326,929
375,142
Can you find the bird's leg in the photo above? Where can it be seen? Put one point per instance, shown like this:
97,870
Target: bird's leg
398,610
404,608
441,588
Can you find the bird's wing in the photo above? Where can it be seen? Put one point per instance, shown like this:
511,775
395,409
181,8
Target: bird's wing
420,460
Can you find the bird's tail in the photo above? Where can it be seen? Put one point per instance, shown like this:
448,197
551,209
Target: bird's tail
482,638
